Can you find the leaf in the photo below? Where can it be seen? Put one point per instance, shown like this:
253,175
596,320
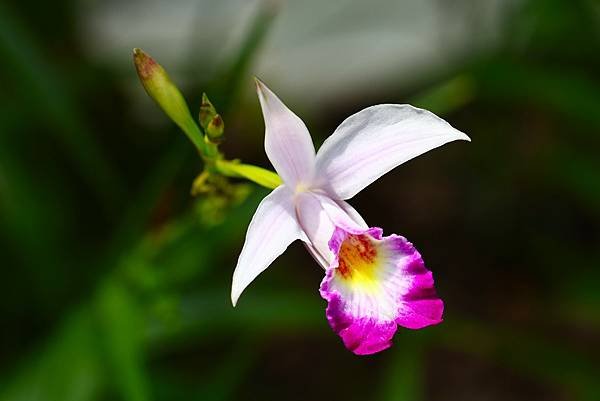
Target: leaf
404,377
447,96
69,368
230,82
121,326
44,90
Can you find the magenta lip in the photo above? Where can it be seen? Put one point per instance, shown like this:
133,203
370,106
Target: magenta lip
406,280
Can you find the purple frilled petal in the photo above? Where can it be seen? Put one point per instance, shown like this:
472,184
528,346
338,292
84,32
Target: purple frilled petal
375,284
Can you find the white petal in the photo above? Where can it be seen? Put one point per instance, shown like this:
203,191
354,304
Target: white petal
316,255
272,229
354,215
318,216
373,141
316,224
340,216
287,141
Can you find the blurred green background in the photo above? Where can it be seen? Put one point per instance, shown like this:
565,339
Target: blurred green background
115,281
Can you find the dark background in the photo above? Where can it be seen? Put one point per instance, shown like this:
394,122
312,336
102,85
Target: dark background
115,281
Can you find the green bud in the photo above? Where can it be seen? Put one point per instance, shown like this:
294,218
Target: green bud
215,128
207,112
159,87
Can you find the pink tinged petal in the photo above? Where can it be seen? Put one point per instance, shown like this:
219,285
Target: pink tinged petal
352,213
374,284
318,216
317,226
320,259
373,141
272,229
420,307
363,336
342,214
287,141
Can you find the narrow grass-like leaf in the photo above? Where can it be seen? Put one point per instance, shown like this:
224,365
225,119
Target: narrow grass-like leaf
121,332
403,379
236,71
43,87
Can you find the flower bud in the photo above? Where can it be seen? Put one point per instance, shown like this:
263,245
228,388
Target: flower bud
207,112
159,87
215,128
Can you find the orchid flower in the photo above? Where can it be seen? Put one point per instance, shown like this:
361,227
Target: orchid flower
372,283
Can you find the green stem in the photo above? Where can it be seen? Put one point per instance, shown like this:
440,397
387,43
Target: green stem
192,131
259,175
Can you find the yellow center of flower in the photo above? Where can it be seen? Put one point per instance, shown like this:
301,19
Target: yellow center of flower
358,261
301,188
